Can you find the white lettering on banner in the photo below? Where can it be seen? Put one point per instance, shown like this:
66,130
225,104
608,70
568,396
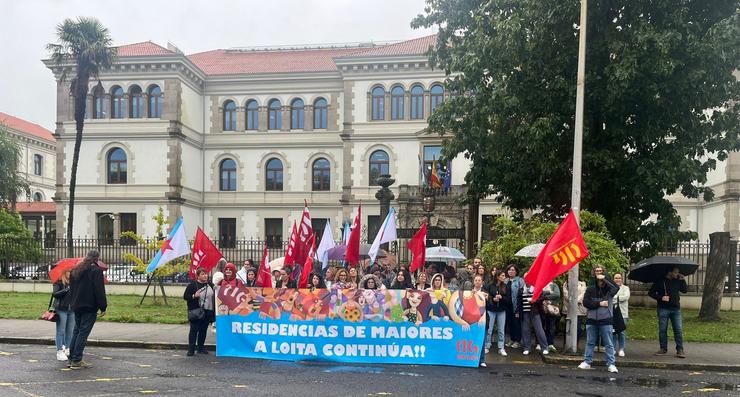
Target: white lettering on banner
332,331
294,348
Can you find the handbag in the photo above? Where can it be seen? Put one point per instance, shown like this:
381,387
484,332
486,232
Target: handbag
550,308
196,314
617,320
50,314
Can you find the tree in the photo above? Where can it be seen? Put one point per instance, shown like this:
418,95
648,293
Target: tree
658,116
716,272
84,46
16,242
12,182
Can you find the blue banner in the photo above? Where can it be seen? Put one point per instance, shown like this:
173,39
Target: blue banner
351,326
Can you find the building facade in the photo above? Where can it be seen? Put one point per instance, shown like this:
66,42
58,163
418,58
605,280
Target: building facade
235,140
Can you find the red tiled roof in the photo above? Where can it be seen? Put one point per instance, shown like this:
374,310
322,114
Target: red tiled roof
26,126
36,206
286,61
146,48
409,47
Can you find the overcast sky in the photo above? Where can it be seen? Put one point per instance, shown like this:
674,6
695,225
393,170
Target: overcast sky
27,87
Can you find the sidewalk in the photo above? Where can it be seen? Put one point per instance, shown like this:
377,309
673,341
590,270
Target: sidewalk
700,356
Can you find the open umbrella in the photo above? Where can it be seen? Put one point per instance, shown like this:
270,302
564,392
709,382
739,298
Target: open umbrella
337,252
276,264
655,268
67,264
530,251
443,254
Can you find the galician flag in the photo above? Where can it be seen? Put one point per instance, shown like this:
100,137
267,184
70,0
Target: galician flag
175,246
387,233
327,242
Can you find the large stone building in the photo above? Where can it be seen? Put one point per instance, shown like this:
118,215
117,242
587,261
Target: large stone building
235,141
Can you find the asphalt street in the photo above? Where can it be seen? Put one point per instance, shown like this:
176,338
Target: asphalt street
31,370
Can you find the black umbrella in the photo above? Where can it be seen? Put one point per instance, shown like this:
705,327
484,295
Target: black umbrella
655,268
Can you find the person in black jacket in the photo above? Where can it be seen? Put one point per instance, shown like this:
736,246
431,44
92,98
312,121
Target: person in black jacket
87,297
499,293
199,294
598,301
66,317
668,295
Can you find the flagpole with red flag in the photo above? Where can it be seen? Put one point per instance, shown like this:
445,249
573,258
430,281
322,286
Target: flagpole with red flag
352,255
205,254
308,265
418,246
290,250
264,278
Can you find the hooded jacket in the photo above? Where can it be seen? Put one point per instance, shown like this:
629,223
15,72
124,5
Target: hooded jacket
231,280
87,290
597,314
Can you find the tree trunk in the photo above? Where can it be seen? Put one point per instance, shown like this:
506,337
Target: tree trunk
714,279
80,94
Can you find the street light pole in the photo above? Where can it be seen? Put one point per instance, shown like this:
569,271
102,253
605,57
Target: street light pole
571,342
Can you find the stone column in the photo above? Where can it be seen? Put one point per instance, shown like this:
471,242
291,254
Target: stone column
172,100
369,106
308,118
387,106
407,105
262,119
106,106
126,106
285,113
384,195
427,104
240,123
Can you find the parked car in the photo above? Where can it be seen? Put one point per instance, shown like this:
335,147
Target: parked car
124,273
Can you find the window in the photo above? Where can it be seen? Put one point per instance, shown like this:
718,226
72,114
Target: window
98,102
397,103
437,96
227,232
486,234
318,225
296,115
105,228
274,175
136,107
431,153
274,232
229,116
253,117
155,102
321,175
128,224
417,102
379,165
373,225
50,231
117,166
38,164
38,197
320,112
116,102
227,170
274,115
378,104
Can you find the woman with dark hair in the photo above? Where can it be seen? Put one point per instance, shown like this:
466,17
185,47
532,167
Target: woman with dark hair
316,282
200,297
515,285
354,278
251,279
371,281
87,297
402,280
499,293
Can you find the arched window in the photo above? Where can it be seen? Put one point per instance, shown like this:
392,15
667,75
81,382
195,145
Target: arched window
437,96
379,165
155,102
417,102
274,175
117,165
320,112
136,109
229,116
253,117
378,103
296,114
274,115
227,170
37,196
397,103
116,102
321,175
98,102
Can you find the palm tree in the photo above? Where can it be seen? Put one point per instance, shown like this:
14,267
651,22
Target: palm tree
83,48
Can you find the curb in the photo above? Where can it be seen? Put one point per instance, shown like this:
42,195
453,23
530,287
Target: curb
564,360
105,343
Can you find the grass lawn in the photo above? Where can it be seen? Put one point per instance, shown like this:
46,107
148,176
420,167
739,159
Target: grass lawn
643,324
121,308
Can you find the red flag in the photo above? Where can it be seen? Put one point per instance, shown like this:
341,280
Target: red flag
418,247
563,250
264,278
290,251
205,253
308,265
305,232
434,178
352,256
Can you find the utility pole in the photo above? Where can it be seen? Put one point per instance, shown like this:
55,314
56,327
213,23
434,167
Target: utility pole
571,342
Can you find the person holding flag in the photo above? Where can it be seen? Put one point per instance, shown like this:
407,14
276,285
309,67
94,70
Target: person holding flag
352,256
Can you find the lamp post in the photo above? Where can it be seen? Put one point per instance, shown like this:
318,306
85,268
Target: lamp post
384,196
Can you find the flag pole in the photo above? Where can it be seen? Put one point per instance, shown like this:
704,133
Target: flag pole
571,342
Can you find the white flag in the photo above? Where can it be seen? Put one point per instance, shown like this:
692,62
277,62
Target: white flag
386,234
327,242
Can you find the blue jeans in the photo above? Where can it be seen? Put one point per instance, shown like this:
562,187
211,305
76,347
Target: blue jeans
65,328
620,339
592,333
673,314
499,319
83,326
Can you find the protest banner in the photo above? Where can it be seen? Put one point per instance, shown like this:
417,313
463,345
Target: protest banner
351,325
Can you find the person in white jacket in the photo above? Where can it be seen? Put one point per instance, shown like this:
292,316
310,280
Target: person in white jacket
622,298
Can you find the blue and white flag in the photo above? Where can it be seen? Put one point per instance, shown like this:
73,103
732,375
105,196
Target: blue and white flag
175,246
327,242
387,233
345,235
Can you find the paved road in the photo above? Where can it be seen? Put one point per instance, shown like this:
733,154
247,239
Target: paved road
30,370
